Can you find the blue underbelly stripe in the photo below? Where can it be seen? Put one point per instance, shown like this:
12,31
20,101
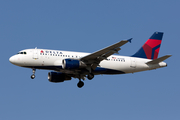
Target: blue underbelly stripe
98,70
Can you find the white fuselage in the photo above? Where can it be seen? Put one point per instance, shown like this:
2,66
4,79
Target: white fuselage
52,60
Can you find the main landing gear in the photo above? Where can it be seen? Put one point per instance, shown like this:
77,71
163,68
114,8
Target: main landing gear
90,76
33,75
80,84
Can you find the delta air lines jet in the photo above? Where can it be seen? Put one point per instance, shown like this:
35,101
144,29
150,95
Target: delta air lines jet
66,65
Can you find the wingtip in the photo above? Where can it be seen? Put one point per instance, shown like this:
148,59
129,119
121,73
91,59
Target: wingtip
168,55
129,40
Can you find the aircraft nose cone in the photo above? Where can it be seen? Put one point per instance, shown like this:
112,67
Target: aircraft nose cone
11,59
16,60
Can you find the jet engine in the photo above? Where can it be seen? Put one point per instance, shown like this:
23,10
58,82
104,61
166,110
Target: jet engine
58,77
72,64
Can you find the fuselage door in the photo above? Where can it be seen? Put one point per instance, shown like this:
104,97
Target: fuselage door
133,63
35,53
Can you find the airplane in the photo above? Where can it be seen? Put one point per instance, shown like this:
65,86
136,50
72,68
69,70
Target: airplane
66,65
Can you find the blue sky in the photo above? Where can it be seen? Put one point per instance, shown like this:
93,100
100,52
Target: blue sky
88,26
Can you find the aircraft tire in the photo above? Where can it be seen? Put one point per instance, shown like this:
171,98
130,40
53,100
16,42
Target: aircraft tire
90,76
80,84
32,76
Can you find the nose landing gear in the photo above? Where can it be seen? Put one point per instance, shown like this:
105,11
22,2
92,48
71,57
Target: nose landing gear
33,75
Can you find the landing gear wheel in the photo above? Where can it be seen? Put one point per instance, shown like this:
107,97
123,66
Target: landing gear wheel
80,84
32,76
90,76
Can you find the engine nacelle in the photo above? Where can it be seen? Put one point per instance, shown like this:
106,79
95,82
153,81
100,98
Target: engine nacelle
72,64
57,77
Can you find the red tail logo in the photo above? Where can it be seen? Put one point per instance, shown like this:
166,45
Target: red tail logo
150,49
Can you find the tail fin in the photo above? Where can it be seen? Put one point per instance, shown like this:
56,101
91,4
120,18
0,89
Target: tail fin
150,49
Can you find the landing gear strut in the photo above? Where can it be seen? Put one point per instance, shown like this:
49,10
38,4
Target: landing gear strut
80,84
90,76
33,75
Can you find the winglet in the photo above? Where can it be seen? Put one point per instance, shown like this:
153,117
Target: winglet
158,60
129,40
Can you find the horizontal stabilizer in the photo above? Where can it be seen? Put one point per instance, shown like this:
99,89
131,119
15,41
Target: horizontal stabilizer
158,60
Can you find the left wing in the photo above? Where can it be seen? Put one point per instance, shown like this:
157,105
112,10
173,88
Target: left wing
93,60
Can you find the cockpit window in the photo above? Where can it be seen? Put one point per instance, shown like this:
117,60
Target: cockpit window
22,53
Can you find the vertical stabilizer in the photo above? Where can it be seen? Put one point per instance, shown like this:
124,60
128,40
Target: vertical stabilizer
150,49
